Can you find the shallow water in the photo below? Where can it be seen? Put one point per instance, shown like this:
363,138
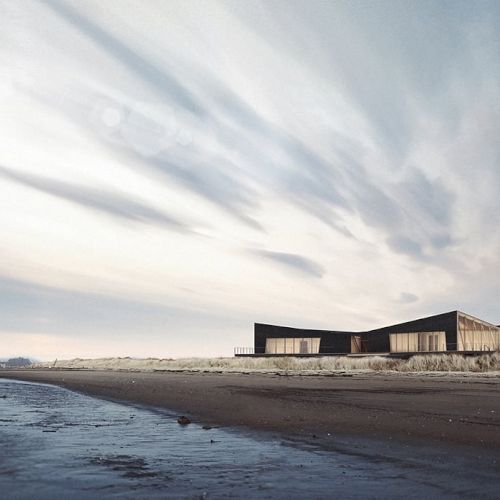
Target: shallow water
57,443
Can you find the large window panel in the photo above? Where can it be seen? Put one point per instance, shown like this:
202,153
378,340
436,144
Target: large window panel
296,345
418,342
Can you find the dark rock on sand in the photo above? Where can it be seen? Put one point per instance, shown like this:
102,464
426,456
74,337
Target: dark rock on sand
183,420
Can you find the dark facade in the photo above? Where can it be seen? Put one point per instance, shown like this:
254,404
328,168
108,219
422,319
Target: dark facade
378,340
453,331
330,342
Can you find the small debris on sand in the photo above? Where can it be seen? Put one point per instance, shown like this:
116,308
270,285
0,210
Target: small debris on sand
206,427
183,420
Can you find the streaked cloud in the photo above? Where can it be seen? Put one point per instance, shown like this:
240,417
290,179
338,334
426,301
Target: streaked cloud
408,298
357,161
109,202
293,261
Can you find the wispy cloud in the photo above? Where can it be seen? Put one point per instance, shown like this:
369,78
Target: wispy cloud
292,262
163,81
100,200
407,298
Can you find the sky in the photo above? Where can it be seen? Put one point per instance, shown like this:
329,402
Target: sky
172,172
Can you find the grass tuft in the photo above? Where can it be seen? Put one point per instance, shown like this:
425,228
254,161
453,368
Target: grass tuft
421,363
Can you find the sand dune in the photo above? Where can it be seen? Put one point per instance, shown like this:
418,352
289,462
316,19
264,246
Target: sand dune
487,363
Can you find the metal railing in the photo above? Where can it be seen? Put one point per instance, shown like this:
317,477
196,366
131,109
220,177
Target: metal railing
238,351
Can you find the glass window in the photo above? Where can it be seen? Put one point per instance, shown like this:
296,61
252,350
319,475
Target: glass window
293,345
418,342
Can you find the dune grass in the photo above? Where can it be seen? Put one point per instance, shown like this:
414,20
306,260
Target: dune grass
422,363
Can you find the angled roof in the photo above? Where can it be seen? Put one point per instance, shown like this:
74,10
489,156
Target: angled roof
477,319
446,318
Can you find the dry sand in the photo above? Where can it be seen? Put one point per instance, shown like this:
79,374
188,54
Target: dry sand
463,411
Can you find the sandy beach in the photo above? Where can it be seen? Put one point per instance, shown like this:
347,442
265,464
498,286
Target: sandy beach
59,443
448,410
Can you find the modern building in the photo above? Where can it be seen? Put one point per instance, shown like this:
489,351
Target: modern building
449,332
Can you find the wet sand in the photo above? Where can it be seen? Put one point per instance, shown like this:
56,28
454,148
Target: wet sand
448,410
62,444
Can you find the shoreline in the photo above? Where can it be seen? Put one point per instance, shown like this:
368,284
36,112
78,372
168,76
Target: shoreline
462,411
98,447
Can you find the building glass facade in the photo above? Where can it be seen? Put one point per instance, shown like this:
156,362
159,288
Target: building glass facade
293,345
418,342
476,335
